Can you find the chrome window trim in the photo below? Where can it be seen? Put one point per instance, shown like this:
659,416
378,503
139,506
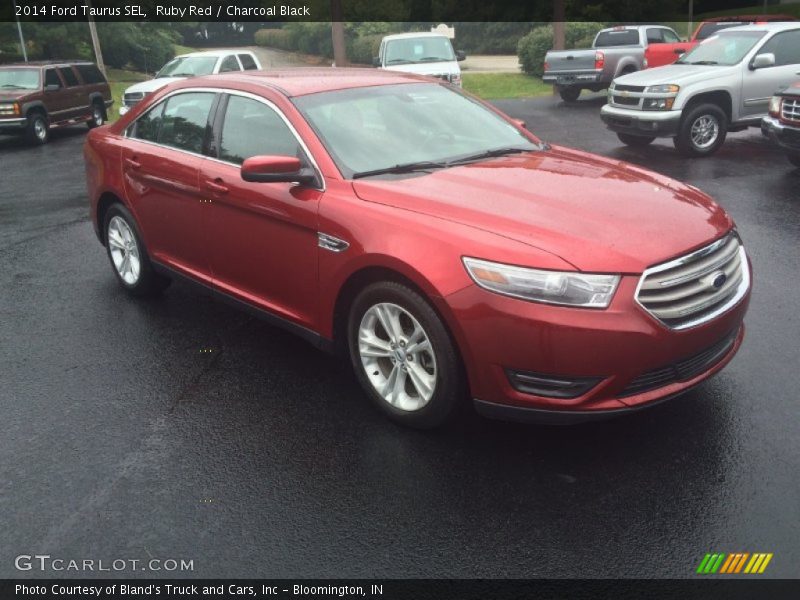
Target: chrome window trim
312,160
744,285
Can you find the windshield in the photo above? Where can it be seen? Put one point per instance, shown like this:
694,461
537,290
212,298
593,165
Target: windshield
726,48
19,79
188,66
373,128
418,50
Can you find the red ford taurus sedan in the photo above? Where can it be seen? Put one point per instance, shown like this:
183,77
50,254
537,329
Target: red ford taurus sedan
447,250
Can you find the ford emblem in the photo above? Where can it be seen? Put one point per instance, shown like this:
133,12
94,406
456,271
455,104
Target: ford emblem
718,280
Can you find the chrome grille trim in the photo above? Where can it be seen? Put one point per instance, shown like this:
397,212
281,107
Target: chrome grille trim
790,109
680,293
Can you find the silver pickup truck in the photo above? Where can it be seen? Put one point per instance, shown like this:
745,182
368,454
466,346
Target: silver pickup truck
723,84
615,51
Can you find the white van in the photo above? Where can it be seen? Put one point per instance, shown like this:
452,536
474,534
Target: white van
428,54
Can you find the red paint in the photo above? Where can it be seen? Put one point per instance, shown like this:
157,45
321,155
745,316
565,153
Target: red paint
555,209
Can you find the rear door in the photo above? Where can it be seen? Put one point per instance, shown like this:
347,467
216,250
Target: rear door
77,103
759,85
265,248
160,165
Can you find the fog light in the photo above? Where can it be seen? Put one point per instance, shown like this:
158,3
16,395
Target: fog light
550,386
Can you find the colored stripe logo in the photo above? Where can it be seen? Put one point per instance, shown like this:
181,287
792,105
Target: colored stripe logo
738,562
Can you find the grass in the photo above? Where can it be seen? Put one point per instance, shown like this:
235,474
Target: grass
496,86
120,80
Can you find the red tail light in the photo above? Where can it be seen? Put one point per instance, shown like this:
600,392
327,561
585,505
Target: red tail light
546,66
599,60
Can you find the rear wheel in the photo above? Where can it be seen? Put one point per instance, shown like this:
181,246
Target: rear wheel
38,129
794,158
702,131
403,356
98,115
128,255
635,140
569,93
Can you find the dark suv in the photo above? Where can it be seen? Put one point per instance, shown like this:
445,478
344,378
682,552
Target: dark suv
37,96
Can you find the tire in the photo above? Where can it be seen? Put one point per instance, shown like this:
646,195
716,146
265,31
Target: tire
692,129
569,93
432,381
38,129
794,158
635,140
122,238
98,115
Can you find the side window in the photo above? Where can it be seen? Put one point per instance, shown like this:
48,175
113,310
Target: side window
185,121
51,78
248,63
785,46
251,128
91,74
655,36
69,76
670,37
229,63
147,126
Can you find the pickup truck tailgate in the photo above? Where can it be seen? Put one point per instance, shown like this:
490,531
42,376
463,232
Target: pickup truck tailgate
570,60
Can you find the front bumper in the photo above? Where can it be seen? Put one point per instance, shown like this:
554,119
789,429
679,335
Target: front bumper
641,122
786,136
617,346
16,125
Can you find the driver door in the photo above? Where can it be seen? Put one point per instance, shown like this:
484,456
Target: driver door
759,85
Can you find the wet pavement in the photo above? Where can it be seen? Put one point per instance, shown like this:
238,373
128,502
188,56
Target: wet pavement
125,438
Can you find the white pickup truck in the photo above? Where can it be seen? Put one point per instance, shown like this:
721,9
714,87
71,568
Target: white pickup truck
723,84
421,53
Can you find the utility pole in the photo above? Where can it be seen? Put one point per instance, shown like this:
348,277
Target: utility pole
98,53
19,31
691,18
559,29
337,34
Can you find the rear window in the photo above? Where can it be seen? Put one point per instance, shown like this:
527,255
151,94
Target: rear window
248,63
90,74
69,76
622,37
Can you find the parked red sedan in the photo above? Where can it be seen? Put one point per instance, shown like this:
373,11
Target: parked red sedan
439,243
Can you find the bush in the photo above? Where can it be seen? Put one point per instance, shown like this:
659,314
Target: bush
273,38
533,47
362,49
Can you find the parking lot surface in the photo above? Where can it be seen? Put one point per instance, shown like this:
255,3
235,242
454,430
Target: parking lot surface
180,428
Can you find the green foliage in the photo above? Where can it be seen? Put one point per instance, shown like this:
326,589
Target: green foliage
363,49
273,38
489,38
533,47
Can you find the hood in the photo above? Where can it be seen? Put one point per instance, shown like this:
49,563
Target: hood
9,95
598,214
677,74
152,85
429,68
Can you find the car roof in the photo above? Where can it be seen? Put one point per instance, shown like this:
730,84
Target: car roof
413,34
216,53
310,80
770,27
46,63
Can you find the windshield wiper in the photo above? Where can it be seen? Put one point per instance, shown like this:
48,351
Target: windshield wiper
701,62
13,86
488,154
433,59
402,168
399,61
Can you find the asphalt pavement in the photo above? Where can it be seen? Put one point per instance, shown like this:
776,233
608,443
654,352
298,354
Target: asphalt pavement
180,428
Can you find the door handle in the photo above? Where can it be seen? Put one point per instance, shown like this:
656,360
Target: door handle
216,186
133,163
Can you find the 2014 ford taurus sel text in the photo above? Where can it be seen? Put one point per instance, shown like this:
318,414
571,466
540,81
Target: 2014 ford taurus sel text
445,249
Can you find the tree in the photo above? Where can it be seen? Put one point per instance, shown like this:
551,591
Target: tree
337,34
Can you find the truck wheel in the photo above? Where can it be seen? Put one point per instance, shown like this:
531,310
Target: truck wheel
38,129
635,140
98,115
794,158
702,131
569,93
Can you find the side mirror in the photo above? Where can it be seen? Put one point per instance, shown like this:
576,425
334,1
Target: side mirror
520,123
276,169
376,61
679,51
52,87
762,61
460,55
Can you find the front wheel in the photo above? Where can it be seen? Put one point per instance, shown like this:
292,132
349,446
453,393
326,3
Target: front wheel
98,116
403,356
128,256
569,93
702,131
38,130
794,158
635,140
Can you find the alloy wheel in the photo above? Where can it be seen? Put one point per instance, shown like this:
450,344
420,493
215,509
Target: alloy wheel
40,129
124,250
397,356
705,131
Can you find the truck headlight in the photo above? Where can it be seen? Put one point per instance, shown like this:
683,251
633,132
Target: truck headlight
775,106
667,88
552,287
658,103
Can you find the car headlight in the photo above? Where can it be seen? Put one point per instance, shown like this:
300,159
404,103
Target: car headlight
668,88
775,105
658,103
553,287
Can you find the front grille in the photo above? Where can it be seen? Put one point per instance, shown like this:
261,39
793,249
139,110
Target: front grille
683,370
7,110
697,287
626,101
790,109
628,88
133,98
